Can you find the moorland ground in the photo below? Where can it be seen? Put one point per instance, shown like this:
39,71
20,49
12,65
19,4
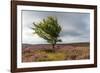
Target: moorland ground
44,52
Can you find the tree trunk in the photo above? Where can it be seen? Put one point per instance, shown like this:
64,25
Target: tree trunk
53,46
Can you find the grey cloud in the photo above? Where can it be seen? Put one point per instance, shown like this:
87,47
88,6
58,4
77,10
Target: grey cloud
75,26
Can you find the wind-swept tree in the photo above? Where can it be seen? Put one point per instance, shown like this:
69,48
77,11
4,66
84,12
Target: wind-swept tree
48,29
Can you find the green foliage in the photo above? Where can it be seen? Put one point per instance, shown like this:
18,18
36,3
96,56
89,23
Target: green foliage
48,29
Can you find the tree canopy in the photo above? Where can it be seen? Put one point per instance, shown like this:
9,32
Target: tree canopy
48,29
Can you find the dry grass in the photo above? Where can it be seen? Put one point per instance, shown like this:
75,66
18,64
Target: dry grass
64,53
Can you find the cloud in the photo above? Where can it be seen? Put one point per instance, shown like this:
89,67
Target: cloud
75,26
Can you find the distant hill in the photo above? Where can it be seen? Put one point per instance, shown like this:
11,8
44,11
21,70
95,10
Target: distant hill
48,46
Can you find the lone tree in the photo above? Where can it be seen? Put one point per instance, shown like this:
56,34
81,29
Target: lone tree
48,29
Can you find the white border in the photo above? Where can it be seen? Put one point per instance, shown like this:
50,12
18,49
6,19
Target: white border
53,63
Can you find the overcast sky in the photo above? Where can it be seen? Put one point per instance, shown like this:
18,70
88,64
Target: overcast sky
75,26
